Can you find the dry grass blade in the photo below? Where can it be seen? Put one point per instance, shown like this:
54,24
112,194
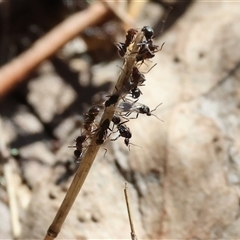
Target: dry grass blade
122,15
133,235
92,150
135,8
13,205
10,185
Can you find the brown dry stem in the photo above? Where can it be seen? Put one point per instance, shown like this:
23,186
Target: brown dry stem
133,234
91,152
122,15
14,72
10,184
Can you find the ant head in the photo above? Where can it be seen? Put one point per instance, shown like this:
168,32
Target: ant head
145,110
94,111
116,119
132,31
148,32
136,92
126,141
80,139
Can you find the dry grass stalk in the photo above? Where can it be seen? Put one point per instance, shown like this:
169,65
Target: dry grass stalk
10,184
91,152
120,13
133,234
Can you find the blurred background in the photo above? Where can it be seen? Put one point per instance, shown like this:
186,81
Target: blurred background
58,57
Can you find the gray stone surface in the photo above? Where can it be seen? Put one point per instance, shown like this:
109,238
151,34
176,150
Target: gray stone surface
185,176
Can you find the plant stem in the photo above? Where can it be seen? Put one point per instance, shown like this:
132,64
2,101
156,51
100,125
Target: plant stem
91,152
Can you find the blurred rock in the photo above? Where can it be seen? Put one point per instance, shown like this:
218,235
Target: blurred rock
184,180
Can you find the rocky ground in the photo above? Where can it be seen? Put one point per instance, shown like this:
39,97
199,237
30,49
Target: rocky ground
183,182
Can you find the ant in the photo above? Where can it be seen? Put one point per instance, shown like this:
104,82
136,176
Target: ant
148,48
136,92
79,146
147,51
102,132
122,47
138,108
144,54
148,32
90,117
112,100
124,131
137,80
146,110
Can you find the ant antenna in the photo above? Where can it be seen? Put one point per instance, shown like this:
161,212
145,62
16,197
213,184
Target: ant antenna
156,107
155,110
133,145
166,13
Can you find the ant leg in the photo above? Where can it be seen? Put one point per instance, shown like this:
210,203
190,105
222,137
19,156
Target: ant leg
128,114
123,122
149,70
161,47
135,117
105,152
124,117
116,138
109,134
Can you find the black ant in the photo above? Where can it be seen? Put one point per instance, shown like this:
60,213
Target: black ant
112,100
79,146
146,54
138,108
146,110
148,32
122,47
147,51
102,132
90,117
137,78
136,92
123,130
148,48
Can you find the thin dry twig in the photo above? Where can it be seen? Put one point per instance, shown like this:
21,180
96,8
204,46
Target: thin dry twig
135,7
122,15
91,152
12,196
10,185
133,234
15,71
